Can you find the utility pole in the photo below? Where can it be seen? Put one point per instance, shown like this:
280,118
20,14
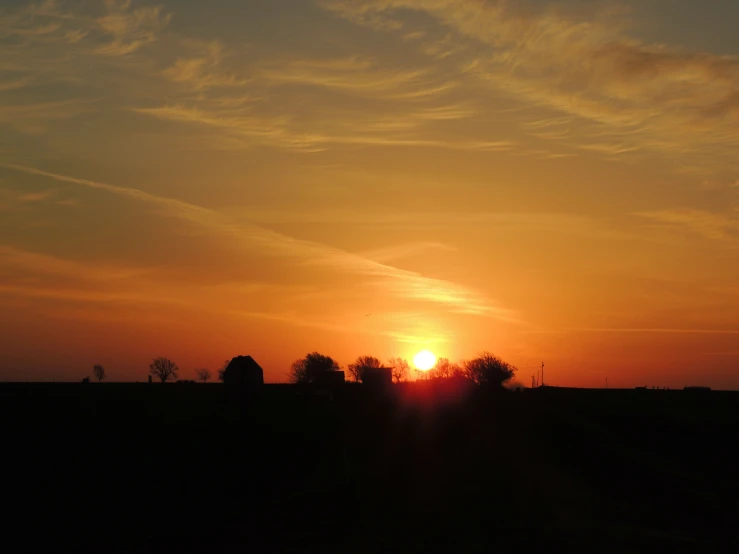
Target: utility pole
542,374
533,382
538,380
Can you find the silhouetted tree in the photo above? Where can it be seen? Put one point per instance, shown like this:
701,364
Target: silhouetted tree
203,374
163,369
458,371
401,369
363,363
489,370
444,369
99,372
307,370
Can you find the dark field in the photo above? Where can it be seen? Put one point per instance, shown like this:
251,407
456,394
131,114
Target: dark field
185,468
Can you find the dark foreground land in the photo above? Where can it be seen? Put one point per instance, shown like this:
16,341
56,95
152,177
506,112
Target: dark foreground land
182,468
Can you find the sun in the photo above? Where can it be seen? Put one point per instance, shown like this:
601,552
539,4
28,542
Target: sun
424,360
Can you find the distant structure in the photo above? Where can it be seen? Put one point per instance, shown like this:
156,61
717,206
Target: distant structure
542,374
330,379
243,371
378,377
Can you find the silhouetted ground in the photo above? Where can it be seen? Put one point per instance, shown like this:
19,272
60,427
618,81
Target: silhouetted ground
180,468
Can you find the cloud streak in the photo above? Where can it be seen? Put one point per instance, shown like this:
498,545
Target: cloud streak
710,225
399,283
656,330
49,265
654,97
405,129
355,75
110,28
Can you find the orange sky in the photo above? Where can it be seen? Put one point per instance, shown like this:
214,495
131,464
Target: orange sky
545,180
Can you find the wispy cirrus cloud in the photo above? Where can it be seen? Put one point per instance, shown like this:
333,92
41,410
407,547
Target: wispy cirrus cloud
399,283
650,96
634,330
203,69
15,84
406,103
232,101
355,75
55,57
129,29
400,251
110,28
42,111
17,259
660,330
710,225
37,196
402,129
113,292
34,275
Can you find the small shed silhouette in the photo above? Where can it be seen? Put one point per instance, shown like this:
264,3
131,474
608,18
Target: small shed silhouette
243,371
378,377
329,379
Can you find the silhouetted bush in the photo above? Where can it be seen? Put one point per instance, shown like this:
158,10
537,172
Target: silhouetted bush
307,370
488,370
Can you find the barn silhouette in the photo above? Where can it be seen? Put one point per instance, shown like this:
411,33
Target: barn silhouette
243,371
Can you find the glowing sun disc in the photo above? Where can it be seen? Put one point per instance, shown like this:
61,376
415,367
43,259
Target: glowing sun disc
424,360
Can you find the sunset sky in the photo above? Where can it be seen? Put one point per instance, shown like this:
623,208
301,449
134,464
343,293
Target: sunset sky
553,181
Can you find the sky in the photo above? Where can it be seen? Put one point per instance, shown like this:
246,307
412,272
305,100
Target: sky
547,181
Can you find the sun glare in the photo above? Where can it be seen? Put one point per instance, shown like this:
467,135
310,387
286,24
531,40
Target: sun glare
424,360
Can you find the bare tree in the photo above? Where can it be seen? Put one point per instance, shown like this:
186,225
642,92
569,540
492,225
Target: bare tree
458,371
99,372
203,374
444,369
308,369
489,370
362,364
163,369
401,369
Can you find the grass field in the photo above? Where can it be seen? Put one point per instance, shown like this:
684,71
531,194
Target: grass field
187,468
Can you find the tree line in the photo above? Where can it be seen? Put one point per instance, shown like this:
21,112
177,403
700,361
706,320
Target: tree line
485,369
163,369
